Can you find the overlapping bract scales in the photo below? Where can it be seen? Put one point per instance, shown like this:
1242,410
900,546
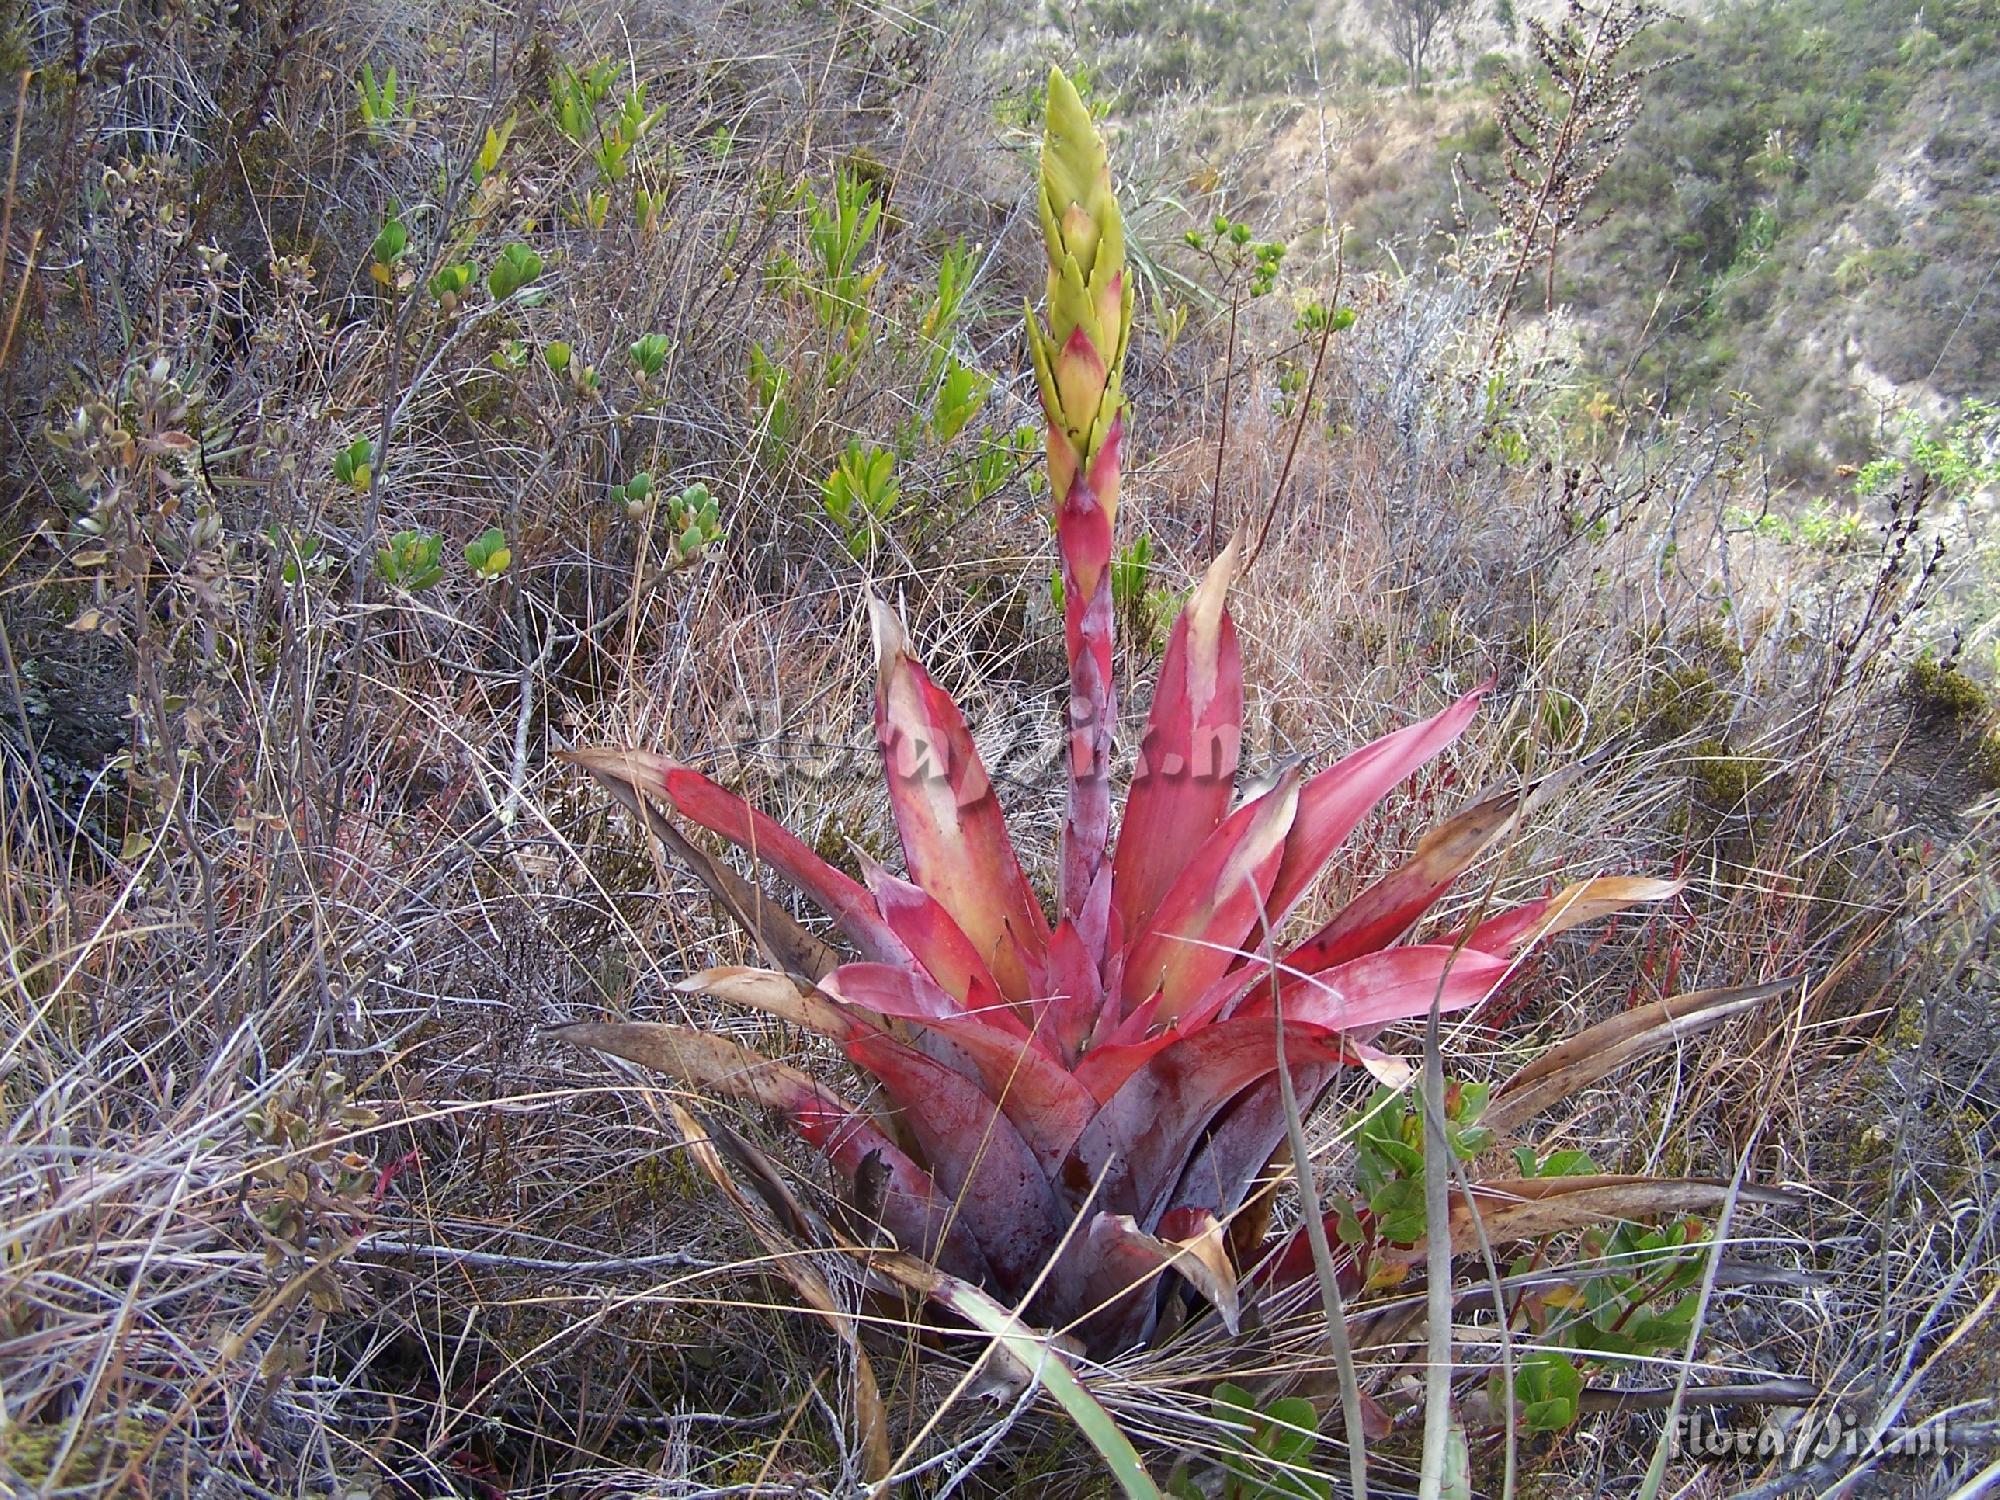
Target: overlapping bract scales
1079,354
1079,359
1078,1102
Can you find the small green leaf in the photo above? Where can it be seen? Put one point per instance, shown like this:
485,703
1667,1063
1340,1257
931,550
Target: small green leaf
412,560
450,284
692,515
392,243
1291,1432
650,353
1407,1159
1566,1164
1398,1207
378,100
1233,1403
1547,1389
1470,1100
515,268
862,492
1470,1141
300,554
354,465
959,398
488,554
492,149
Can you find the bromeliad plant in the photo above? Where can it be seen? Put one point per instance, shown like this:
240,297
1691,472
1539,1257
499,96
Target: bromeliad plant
1080,1098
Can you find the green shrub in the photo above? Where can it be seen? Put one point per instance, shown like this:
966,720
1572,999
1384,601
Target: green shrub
1944,690
1727,778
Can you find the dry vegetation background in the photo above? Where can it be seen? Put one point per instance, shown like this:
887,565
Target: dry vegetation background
293,1197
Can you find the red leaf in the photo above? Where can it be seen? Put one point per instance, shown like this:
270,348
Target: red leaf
1140,1022
1391,906
1585,901
1087,632
1246,1136
1366,994
1076,990
1103,476
765,840
978,1157
1142,1137
1083,533
1192,1242
1187,761
937,942
1214,906
1294,1262
1104,1068
1121,1285
1334,801
910,994
1036,1093
953,835
1124,1276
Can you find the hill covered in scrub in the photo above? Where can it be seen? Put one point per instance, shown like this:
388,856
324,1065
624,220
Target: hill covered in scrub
399,401
1804,209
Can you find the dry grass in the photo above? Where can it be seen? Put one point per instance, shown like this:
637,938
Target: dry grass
296,1200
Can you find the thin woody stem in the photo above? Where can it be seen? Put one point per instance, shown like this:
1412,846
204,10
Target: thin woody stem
1222,441
1305,411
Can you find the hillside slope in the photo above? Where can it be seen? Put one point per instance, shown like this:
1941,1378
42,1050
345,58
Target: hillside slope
1805,210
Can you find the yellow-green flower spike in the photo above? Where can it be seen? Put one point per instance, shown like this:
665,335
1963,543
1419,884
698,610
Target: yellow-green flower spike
1079,353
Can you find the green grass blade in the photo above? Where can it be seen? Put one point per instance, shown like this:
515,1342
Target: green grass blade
1047,1364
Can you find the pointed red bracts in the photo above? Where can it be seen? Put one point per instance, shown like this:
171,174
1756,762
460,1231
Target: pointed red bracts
1116,1072
1080,1105
954,840
1188,758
